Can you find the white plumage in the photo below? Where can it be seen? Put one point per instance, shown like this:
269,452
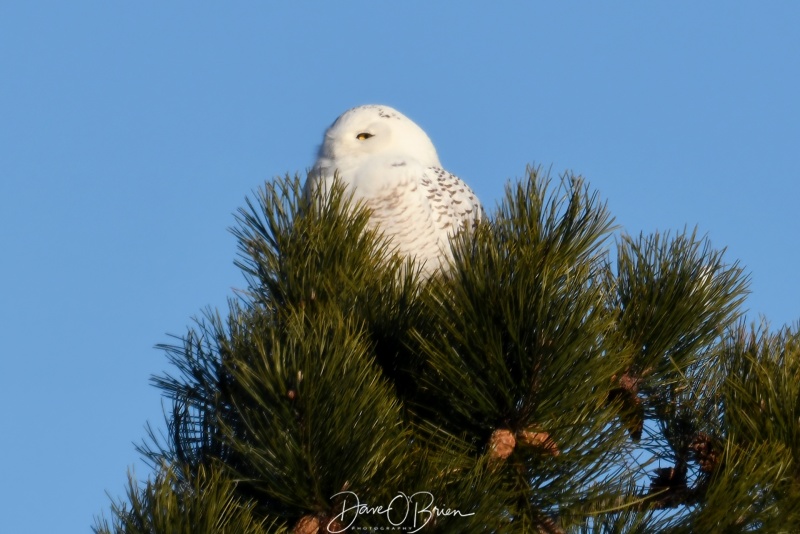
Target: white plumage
392,166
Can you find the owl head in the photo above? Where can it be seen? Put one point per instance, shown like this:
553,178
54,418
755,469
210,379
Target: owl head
367,131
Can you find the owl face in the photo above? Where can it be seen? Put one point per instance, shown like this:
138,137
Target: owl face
367,131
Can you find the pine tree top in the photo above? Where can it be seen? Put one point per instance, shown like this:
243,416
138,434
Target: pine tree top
534,385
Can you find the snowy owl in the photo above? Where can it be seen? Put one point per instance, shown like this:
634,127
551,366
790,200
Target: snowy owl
390,165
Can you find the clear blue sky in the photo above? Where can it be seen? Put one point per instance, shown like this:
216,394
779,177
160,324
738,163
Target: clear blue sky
131,131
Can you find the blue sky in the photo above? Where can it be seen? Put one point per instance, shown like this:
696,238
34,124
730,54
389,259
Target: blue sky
131,132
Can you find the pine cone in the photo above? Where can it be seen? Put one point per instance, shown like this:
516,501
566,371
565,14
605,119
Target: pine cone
333,525
311,524
502,443
705,455
308,524
538,439
547,525
667,478
633,410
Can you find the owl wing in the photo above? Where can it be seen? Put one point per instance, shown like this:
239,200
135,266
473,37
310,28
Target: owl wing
453,201
419,207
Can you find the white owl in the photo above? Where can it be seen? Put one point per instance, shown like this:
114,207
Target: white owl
392,167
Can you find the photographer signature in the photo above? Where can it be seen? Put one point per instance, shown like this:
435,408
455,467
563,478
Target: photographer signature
418,507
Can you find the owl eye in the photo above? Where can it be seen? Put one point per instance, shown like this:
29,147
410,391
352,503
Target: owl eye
364,135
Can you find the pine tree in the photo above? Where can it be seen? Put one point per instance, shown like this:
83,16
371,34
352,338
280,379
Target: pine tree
553,380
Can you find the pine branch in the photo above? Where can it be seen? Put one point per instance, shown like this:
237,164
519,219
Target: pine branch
201,501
